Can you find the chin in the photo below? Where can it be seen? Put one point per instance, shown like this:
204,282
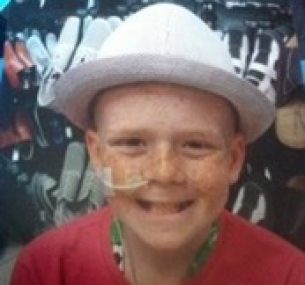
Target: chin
166,242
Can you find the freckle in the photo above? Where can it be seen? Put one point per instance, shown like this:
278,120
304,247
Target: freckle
181,99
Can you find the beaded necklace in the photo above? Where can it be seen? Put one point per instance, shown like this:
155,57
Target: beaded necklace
200,259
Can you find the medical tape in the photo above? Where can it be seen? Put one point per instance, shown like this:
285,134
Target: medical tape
131,184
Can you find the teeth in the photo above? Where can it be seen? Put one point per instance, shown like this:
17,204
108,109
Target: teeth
164,208
182,206
145,205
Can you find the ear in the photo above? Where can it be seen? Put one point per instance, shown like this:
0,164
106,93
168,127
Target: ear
94,149
237,153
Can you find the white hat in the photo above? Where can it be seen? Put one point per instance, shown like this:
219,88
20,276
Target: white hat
163,43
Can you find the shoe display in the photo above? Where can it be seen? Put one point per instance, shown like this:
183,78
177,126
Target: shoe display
23,54
91,42
13,65
114,22
238,44
51,41
39,54
262,66
66,44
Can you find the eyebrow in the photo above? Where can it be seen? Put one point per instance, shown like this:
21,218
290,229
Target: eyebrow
203,134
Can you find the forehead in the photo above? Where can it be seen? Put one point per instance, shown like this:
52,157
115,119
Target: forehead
159,103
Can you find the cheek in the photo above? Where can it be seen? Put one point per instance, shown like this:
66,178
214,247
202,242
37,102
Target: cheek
210,177
121,171
211,183
118,204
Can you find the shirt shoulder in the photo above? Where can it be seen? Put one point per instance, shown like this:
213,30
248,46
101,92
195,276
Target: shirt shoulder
68,234
255,237
245,248
65,252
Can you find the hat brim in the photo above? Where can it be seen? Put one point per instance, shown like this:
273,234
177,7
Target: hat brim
76,88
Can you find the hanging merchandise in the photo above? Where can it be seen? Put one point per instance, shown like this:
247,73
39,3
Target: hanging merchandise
237,42
19,219
254,3
44,15
6,100
3,25
261,70
19,67
71,50
74,192
207,12
78,189
290,221
290,123
39,53
288,72
41,189
259,65
251,18
13,65
254,200
114,22
19,222
4,4
298,9
19,131
290,114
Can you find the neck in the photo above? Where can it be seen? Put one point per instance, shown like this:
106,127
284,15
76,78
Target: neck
147,266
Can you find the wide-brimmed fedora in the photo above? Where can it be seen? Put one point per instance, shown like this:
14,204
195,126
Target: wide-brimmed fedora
163,43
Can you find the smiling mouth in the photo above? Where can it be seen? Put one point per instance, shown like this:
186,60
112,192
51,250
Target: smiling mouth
162,208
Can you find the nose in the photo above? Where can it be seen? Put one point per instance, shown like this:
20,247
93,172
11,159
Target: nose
164,165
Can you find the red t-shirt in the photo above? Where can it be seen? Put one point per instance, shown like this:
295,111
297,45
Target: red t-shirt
81,253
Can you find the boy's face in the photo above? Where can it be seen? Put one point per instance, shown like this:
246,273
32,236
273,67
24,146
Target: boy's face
179,140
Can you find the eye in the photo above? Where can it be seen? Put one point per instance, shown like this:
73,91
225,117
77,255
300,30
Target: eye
196,148
194,144
129,142
128,145
132,142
